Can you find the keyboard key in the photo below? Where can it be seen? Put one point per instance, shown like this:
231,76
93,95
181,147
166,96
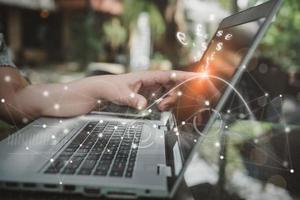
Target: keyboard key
88,164
84,171
128,174
69,171
113,147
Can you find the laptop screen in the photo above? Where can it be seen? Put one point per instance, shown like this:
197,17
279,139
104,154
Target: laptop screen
198,99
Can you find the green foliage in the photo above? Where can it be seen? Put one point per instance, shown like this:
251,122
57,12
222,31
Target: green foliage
114,33
87,42
132,10
282,42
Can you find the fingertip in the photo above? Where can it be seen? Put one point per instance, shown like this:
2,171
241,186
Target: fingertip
142,103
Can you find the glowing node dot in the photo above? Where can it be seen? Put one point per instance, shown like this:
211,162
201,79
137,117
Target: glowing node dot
242,115
177,133
101,121
226,127
132,95
98,101
132,126
134,146
27,148
66,87
52,160
115,127
7,78
287,129
175,129
123,123
80,145
173,75
108,150
25,120
56,106
183,123
244,66
44,126
154,126
153,94
292,171
45,93
66,131
2,100
255,141
60,183
266,94
122,137
217,144
100,135
53,137
60,121
88,132
207,103
150,110
195,140
221,157
280,95
179,93
228,111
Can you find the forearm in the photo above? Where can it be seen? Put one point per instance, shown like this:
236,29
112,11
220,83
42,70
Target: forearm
59,100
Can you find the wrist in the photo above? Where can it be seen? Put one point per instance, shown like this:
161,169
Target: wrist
95,87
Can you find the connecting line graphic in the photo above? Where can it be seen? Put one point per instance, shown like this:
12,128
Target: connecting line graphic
148,108
202,76
256,128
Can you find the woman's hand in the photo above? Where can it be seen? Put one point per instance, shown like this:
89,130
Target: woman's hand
23,102
134,89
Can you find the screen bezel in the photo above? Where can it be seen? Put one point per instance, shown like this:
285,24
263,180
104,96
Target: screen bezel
266,10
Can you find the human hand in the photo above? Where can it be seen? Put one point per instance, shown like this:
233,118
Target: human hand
133,89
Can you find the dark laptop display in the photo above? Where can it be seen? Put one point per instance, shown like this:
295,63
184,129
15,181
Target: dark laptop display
221,61
228,53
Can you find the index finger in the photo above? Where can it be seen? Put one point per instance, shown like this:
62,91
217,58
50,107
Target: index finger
165,77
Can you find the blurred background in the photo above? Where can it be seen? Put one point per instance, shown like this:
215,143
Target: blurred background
63,40
59,40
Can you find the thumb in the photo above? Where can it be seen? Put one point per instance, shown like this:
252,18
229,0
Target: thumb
137,101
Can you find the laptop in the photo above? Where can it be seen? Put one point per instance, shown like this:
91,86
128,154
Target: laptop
121,156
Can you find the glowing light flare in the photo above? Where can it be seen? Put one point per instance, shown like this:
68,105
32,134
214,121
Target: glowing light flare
204,74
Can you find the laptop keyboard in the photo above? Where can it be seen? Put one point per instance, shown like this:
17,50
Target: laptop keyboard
100,149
